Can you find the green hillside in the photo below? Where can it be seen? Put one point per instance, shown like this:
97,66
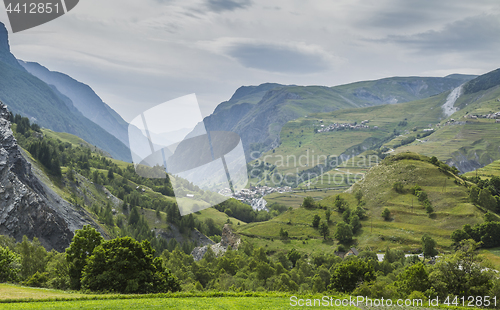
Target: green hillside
299,139
467,143
310,157
121,202
408,221
258,113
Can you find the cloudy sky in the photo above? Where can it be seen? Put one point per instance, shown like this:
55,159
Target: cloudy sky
137,54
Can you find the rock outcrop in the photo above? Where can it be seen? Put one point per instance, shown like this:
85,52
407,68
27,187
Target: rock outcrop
229,239
27,206
174,233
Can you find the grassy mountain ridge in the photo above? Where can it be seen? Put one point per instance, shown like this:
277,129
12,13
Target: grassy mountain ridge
257,113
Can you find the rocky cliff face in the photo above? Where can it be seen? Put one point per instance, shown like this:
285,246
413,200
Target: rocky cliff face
27,206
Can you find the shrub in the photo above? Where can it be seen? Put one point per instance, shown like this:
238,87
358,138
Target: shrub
386,214
398,187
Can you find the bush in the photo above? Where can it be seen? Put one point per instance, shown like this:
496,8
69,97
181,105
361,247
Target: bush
343,233
386,214
308,203
422,196
348,275
316,220
398,187
39,279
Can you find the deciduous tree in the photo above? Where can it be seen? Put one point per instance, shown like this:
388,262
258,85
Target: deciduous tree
324,230
124,265
81,247
343,233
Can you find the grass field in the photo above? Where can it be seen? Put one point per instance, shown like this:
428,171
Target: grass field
166,303
493,256
18,297
73,140
294,199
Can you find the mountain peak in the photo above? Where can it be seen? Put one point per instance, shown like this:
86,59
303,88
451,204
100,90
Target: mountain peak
246,90
5,54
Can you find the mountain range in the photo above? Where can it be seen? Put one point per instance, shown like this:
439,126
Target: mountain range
258,113
458,126
83,98
46,105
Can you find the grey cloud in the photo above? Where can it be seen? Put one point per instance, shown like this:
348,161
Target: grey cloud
227,5
396,14
278,58
477,33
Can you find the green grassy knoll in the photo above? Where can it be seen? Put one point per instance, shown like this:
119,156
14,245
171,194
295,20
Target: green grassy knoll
69,138
449,199
408,222
219,218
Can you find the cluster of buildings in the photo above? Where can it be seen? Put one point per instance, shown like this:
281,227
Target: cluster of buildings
343,126
495,115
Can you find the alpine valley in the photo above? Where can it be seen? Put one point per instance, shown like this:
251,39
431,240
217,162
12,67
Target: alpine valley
347,179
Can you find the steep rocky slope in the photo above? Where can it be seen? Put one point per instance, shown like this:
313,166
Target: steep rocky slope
29,96
27,206
84,99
